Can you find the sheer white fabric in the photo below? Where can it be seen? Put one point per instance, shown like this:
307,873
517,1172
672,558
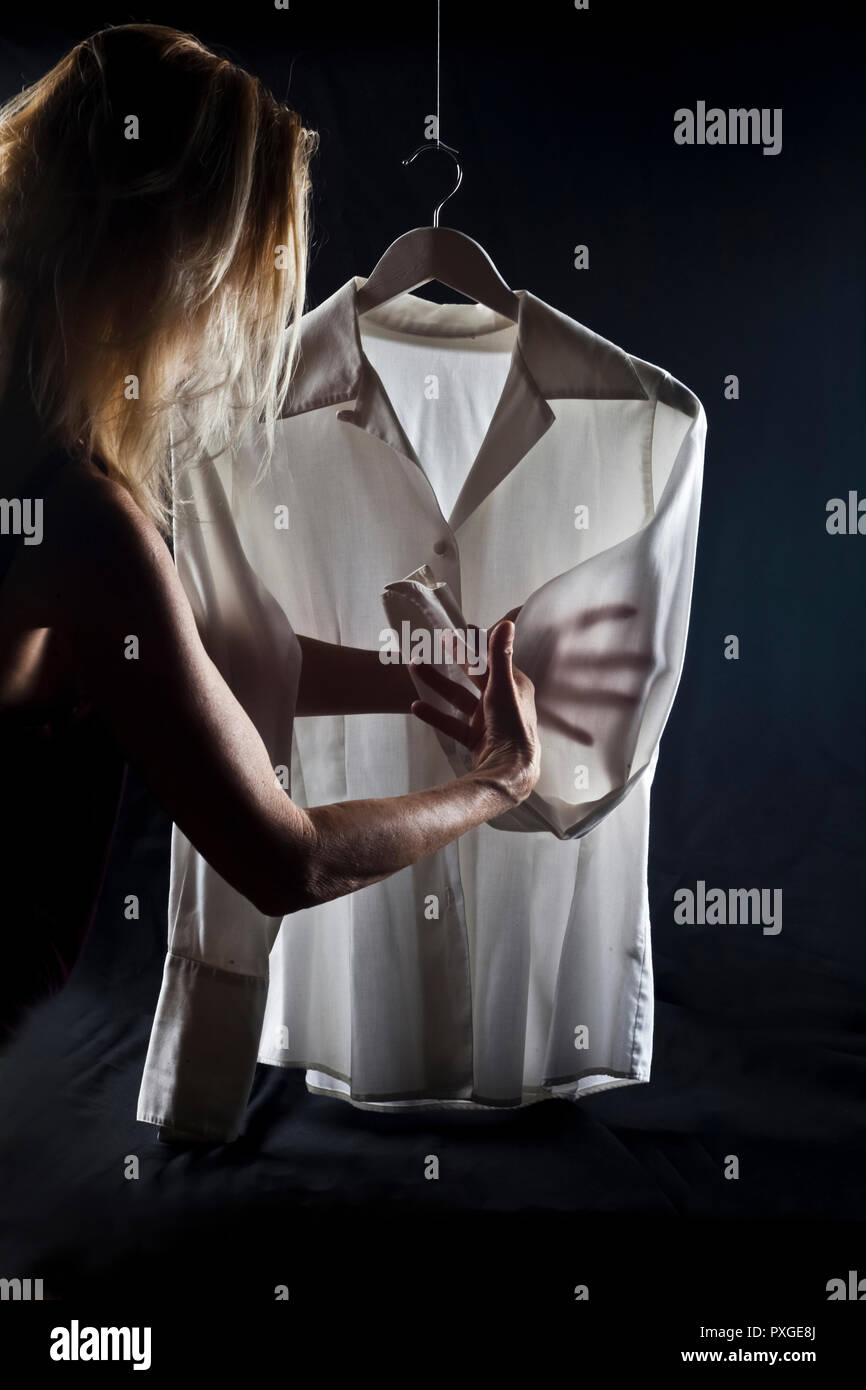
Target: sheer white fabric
534,464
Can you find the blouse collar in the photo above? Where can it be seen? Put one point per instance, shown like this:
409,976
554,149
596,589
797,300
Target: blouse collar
554,358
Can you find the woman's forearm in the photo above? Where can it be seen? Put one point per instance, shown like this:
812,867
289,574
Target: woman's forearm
351,844
350,680
110,573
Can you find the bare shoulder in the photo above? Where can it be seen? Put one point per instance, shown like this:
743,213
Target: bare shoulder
105,548
101,512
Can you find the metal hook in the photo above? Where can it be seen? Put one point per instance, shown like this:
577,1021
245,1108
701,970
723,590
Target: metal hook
440,145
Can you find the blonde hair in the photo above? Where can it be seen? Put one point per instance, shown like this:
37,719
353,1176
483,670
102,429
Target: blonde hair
153,251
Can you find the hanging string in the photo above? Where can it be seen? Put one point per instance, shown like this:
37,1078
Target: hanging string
439,144
438,61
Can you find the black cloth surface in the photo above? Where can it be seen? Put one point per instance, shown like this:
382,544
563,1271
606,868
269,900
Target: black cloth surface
762,1062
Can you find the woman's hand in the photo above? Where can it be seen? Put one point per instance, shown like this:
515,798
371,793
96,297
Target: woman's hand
499,728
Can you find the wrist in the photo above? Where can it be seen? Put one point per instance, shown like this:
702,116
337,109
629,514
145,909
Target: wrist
497,790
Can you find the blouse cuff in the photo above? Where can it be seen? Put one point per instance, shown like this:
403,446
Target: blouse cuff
203,1050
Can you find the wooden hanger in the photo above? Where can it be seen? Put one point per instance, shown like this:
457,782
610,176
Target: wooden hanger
438,253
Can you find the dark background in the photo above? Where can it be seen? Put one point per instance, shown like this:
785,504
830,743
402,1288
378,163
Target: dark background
707,261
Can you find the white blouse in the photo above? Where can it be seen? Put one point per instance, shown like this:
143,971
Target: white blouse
439,463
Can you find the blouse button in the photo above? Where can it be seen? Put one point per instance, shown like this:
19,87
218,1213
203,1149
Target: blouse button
441,548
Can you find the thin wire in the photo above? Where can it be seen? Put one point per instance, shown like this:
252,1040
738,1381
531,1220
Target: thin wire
439,143
438,62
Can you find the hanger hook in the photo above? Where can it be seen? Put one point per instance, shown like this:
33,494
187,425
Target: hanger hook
449,149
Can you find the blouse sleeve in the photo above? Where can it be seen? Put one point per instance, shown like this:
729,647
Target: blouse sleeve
605,642
206,1033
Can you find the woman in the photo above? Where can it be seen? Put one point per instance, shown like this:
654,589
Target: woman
153,224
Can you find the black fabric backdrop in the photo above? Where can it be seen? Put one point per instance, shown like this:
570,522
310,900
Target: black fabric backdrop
707,261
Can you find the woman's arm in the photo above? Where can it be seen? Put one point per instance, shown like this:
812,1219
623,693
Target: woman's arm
111,577
350,680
